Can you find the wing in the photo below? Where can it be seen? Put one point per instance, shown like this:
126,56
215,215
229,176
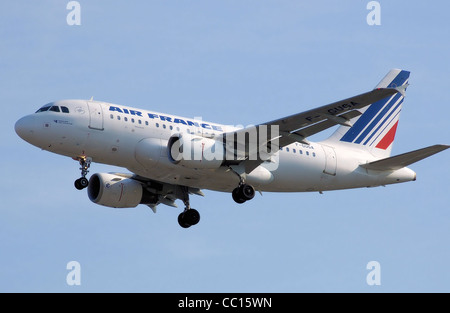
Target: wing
296,128
161,193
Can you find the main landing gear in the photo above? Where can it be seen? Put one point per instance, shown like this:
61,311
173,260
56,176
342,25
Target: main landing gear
189,217
243,193
83,182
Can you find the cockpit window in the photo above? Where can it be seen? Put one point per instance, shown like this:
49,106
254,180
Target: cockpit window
43,109
53,108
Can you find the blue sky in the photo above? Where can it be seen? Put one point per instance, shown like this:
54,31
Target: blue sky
231,62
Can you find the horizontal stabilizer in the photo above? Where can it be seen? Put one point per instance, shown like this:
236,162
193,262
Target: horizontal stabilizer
405,159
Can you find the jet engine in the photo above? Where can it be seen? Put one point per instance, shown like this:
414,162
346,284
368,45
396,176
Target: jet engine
193,151
118,192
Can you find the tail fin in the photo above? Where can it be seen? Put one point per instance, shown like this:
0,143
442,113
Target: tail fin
374,130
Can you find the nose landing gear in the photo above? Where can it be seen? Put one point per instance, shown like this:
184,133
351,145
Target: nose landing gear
83,182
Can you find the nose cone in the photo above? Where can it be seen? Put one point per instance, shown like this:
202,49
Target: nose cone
24,128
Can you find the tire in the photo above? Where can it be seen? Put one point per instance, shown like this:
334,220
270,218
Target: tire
84,182
182,221
78,185
247,192
237,196
191,217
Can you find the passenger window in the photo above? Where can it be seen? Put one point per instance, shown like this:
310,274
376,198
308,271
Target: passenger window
293,150
65,109
171,127
125,119
301,151
118,117
314,154
111,116
146,123
132,120
55,108
287,149
307,152
157,124
164,126
139,122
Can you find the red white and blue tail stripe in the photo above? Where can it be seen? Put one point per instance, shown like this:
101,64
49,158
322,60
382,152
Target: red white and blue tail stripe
375,129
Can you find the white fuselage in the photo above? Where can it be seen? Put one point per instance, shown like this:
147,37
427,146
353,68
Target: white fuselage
137,140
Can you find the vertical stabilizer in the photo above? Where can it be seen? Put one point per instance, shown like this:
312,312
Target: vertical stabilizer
375,129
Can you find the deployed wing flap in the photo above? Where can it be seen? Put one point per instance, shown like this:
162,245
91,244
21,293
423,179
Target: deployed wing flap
405,159
162,193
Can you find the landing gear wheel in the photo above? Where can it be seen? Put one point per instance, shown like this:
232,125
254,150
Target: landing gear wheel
81,183
182,222
236,196
78,185
247,192
192,217
243,193
189,218
84,182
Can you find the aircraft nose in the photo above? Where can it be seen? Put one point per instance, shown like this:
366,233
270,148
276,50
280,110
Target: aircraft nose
24,128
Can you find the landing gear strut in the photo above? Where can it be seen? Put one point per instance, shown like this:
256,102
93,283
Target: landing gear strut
83,182
189,217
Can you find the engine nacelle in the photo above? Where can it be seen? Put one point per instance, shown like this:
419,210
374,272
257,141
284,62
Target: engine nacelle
195,152
114,191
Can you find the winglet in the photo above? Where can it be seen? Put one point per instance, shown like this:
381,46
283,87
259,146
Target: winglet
402,89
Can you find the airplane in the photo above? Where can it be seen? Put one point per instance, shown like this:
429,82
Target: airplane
172,157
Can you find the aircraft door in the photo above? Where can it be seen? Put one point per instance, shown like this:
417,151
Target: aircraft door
95,115
330,161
